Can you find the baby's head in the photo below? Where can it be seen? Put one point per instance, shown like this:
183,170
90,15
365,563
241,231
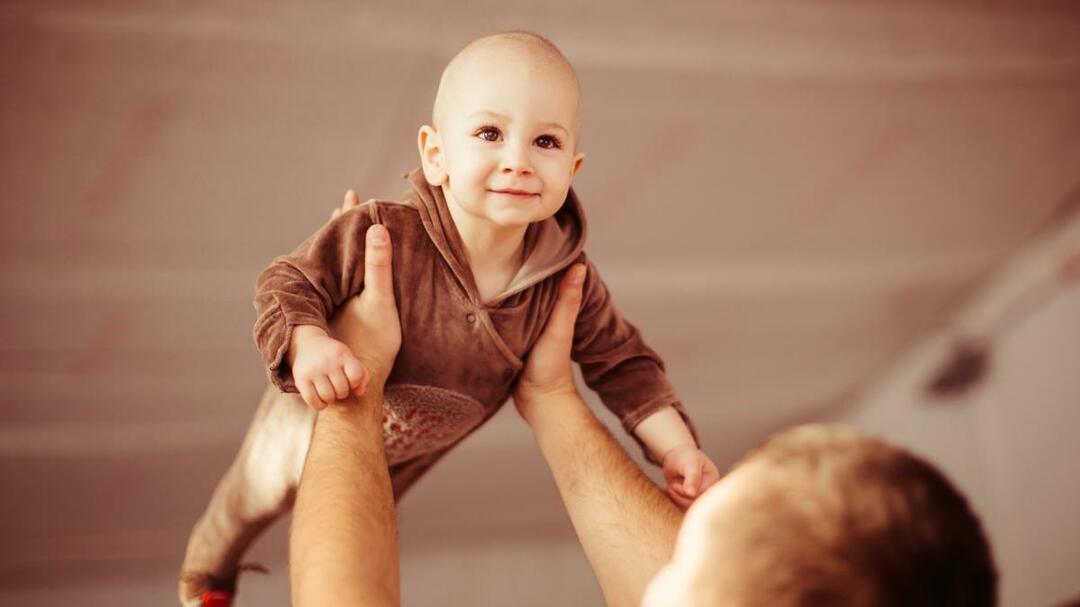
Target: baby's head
826,515
503,140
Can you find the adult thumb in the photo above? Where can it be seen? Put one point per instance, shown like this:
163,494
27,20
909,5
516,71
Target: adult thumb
567,304
378,254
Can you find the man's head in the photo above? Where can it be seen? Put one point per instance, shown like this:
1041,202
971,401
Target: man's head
506,118
825,515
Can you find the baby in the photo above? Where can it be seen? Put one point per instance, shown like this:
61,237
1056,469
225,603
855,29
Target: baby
481,240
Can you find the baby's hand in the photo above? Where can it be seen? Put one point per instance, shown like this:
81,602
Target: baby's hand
688,472
324,369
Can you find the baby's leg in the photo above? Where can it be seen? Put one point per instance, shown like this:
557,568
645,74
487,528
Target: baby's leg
258,487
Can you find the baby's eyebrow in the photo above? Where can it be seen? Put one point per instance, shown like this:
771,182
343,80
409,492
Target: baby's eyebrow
504,117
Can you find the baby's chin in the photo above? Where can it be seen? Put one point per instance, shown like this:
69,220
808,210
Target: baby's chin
515,220
510,213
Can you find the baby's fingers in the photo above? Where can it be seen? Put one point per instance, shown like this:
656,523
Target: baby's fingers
340,384
307,392
676,494
324,389
710,477
356,374
692,478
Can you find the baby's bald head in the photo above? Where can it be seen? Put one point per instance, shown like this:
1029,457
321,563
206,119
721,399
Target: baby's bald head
506,117
519,52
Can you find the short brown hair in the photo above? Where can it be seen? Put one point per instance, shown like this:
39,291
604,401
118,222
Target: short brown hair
836,517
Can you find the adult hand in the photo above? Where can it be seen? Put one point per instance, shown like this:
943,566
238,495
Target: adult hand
343,540
626,526
369,323
352,200
547,372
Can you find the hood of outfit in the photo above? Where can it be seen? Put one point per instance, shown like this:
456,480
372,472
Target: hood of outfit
460,357
551,245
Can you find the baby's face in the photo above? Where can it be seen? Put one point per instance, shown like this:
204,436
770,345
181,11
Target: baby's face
509,133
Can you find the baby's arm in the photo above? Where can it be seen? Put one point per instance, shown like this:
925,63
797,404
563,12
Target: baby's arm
687,469
629,376
663,431
294,297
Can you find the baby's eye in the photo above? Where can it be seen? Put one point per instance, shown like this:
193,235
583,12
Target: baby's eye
488,133
548,142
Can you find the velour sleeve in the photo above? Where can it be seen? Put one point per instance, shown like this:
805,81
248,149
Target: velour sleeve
306,286
617,363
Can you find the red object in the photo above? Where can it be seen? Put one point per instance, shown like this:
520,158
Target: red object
216,598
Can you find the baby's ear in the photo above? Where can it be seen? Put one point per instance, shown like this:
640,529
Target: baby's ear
578,159
431,155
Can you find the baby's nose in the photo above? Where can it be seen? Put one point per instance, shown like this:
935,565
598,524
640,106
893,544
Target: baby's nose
516,160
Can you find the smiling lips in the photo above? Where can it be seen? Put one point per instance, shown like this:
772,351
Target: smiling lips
515,193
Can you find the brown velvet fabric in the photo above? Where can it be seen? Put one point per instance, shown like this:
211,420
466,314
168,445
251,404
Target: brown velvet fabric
450,339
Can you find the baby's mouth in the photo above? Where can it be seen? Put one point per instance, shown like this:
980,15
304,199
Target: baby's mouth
515,193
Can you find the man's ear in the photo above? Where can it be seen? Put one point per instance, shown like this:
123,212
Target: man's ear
431,156
578,159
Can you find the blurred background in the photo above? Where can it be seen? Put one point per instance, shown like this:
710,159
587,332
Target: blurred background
829,211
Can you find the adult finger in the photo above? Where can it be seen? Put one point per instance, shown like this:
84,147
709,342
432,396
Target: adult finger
560,325
378,278
352,200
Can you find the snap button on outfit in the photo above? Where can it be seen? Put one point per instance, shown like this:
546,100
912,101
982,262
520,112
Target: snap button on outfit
470,317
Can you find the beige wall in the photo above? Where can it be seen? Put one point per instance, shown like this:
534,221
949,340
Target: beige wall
1011,444
830,176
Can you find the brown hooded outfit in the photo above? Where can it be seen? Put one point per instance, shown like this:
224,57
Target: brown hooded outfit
460,357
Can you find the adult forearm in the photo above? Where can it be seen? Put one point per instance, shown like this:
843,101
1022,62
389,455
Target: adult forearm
626,526
343,544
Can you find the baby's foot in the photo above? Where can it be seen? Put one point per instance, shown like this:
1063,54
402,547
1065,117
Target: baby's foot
202,590
198,589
